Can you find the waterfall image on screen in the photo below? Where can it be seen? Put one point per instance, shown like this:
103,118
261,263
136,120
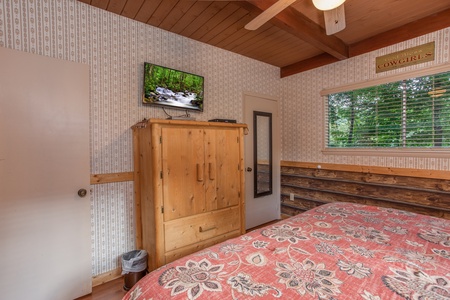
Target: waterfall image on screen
172,88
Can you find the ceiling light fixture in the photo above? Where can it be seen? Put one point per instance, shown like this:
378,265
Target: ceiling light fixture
327,4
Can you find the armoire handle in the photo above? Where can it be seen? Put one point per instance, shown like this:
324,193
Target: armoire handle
201,229
199,172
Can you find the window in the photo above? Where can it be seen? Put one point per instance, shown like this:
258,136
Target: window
411,113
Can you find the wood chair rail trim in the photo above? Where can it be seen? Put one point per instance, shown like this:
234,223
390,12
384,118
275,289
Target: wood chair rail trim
420,173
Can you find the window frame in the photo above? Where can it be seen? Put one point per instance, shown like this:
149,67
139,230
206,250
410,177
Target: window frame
381,151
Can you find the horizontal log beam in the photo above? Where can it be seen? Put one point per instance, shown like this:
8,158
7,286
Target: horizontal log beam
438,186
322,197
305,185
384,193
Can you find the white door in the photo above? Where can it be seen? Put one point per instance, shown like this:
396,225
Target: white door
45,248
261,207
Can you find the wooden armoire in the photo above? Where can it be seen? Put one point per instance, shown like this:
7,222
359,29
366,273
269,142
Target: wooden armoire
189,185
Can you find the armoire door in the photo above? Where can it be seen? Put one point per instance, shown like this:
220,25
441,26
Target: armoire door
45,232
183,172
222,165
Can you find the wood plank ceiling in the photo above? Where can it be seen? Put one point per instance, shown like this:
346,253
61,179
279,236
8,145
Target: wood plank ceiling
295,39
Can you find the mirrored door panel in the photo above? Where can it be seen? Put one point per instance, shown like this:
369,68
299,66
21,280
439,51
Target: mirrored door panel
262,126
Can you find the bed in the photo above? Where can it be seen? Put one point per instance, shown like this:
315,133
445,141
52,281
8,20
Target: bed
335,251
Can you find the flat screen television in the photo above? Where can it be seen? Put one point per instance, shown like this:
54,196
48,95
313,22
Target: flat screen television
171,88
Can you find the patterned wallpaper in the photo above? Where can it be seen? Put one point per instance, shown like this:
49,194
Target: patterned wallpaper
115,49
303,109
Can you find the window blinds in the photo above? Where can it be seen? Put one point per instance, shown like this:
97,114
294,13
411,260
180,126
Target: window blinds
407,113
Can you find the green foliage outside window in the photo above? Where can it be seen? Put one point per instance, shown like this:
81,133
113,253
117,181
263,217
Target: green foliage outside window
405,114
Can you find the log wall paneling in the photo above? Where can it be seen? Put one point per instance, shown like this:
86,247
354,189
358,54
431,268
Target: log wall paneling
313,187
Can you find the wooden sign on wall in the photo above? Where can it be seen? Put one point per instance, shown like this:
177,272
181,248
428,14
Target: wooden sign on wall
408,57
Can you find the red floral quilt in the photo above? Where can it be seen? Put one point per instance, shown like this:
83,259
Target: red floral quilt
335,251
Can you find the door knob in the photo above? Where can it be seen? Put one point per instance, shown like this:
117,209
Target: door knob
249,169
82,193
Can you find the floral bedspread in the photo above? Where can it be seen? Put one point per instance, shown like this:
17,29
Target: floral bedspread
335,251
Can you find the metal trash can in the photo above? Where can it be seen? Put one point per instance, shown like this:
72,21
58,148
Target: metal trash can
134,265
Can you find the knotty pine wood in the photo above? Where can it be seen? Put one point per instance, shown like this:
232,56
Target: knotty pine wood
137,194
313,187
183,173
188,168
111,177
182,231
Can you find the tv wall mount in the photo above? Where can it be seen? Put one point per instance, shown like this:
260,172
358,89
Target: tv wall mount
185,116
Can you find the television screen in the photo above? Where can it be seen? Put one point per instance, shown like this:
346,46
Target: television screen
172,88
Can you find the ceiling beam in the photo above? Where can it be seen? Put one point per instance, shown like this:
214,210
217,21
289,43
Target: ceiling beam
308,64
294,22
411,30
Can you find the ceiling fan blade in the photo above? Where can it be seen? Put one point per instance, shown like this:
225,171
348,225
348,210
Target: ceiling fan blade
268,14
334,19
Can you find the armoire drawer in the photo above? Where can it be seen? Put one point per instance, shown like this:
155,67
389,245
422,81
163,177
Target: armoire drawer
190,230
